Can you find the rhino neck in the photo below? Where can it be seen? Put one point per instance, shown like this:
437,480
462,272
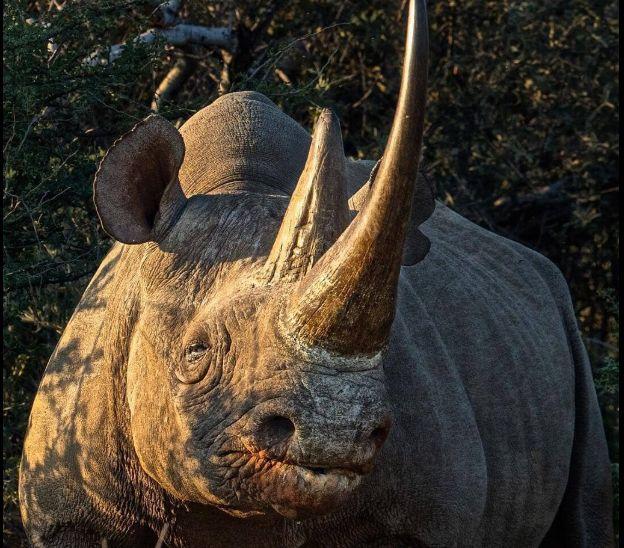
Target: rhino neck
145,503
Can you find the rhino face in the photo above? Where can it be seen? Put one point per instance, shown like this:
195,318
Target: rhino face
225,409
254,378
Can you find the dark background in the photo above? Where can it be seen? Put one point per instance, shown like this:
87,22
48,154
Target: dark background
521,138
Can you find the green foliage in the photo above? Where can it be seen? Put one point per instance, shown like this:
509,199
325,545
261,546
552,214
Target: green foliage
521,137
607,377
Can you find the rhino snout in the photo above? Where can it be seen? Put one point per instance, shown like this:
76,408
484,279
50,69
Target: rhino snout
320,442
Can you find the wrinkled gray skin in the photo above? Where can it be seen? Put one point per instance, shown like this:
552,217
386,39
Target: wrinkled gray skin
496,436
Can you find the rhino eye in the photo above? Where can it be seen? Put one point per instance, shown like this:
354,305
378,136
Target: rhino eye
195,365
195,351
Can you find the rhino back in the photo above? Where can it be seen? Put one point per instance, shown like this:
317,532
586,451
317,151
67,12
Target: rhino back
482,378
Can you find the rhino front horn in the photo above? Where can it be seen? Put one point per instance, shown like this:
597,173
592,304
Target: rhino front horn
346,303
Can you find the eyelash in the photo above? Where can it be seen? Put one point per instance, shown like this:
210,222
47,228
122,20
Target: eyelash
195,351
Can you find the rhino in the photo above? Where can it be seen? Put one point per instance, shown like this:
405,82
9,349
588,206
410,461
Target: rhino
288,347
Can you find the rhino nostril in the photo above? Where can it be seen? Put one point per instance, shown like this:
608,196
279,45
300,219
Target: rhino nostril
276,429
378,435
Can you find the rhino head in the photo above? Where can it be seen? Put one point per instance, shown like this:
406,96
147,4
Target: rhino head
254,377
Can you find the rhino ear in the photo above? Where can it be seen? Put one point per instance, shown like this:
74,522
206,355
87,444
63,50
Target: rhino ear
137,184
417,244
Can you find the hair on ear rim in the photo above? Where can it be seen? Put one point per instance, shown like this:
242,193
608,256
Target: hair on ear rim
132,178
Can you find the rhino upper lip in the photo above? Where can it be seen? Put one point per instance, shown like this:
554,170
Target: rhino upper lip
316,468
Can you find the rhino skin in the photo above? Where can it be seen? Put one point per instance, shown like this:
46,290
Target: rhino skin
280,354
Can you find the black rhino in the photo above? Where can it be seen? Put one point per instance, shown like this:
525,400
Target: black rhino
276,353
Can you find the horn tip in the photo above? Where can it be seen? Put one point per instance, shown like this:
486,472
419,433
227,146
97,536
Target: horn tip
328,116
327,128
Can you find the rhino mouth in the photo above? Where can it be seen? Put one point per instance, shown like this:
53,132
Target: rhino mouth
293,489
262,461
322,473
298,491
319,469
329,470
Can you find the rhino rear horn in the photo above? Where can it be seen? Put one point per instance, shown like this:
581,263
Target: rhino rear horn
136,185
318,210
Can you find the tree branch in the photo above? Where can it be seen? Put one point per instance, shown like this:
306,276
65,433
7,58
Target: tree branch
181,34
183,69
